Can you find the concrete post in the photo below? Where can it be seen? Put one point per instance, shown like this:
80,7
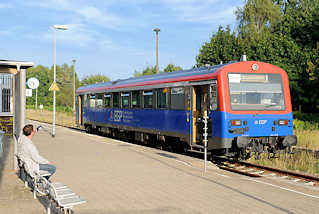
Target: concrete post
21,116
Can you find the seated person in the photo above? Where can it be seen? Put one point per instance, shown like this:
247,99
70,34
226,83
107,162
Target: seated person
30,155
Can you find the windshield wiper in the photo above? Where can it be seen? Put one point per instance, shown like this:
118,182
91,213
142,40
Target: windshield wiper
271,105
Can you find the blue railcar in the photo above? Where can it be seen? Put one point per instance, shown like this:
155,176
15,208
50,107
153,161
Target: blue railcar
247,106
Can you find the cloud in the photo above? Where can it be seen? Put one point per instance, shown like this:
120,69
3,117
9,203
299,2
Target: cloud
78,35
209,11
51,4
5,5
105,19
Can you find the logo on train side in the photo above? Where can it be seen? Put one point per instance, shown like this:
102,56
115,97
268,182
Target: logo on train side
111,115
260,122
118,116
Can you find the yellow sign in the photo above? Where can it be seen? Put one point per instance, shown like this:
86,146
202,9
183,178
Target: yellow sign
54,87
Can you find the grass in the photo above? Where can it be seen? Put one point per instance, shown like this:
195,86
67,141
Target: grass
61,118
307,130
307,133
307,138
300,162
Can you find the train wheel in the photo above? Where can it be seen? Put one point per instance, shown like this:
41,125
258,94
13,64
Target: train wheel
182,147
88,129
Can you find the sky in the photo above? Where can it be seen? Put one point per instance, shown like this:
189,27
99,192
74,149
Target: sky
111,37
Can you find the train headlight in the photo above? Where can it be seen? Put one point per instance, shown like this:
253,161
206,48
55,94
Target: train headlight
255,67
282,122
236,122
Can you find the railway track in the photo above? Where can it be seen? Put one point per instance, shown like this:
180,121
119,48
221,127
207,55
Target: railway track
313,152
254,170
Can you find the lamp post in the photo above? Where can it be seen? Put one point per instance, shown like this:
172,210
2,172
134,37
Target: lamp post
55,27
73,61
157,30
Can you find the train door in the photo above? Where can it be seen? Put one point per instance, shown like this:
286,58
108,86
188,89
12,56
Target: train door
199,109
80,110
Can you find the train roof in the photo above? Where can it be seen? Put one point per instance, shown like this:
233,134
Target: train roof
165,77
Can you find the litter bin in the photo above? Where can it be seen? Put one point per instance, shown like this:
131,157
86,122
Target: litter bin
1,144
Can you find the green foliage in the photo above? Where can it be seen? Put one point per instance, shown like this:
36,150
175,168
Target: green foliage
64,79
45,78
283,33
306,121
92,79
147,71
224,46
172,68
152,70
257,16
304,125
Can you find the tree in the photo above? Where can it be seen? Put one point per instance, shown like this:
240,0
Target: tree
280,32
257,16
42,74
152,70
92,79
223,46
147,71
172,68
64,79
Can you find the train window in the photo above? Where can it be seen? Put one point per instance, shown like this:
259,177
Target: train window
148,99
136,99
116,100
87,100
99,101
178,98
256,91
125,100
107,100
92,101
161,98
213,98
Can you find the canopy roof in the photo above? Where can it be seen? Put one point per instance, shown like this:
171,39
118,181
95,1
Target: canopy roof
15,64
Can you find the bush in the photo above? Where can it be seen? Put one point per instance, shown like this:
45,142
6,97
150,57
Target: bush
306,121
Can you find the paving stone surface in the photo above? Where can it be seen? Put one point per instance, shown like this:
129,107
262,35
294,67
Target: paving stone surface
117,177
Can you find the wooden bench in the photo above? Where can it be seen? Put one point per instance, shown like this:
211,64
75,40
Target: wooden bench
57,192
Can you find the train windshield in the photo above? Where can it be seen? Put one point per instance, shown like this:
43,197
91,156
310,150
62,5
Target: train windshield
256,91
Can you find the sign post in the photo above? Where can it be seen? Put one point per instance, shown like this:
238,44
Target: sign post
205,141
54,87
33,83
28,92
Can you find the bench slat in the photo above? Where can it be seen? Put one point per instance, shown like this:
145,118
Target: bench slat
64,193
44,173
69,202
58,185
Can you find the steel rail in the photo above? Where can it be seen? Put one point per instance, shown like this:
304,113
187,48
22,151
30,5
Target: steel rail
281,171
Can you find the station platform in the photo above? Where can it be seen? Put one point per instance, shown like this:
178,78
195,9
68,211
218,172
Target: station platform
14,197
116,177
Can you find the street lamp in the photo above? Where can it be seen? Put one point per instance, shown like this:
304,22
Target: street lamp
55,27
74,113
157,30
73,61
